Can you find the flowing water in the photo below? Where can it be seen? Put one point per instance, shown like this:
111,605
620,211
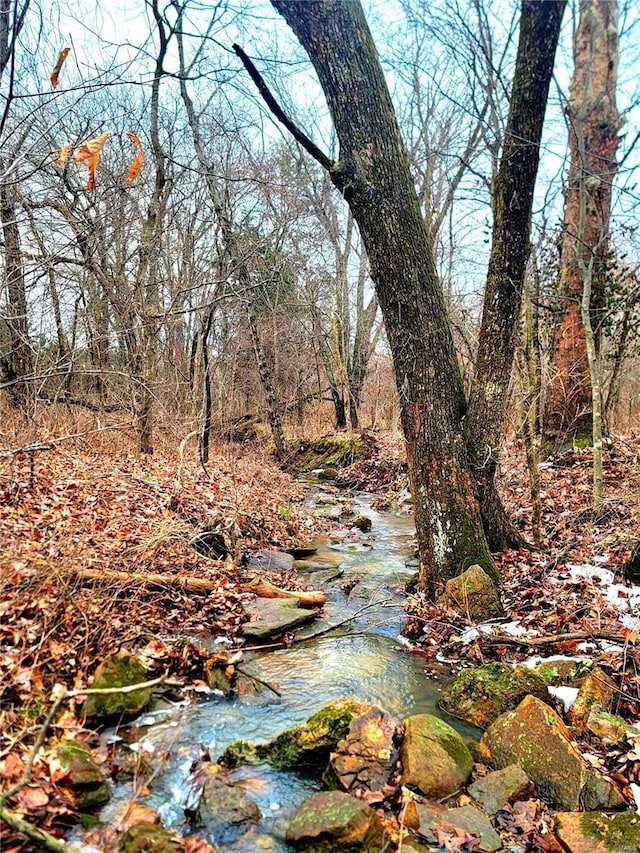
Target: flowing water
363,658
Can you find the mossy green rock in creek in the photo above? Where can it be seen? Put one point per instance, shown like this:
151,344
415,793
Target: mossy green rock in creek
222,803
435,759
610,728
597,832
473,594
480,695
83,778
306,745
535,737
333,822
121,670
144,838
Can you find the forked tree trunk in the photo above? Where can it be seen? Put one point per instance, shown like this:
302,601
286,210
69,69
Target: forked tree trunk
512,201
374,177
594,123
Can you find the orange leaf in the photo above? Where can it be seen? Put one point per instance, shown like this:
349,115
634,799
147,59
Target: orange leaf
89,154
56,71
134,168
63,153
135,139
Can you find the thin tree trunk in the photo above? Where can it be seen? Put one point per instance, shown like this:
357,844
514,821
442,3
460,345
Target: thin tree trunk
17,364
512,202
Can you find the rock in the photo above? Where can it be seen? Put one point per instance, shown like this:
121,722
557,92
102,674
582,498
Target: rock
436,819
270,617
301,552
333,822
223,804
275,561
434,757
571,672
324,576
473,594
597,689
81,776
310,744
498,787
535,737
610,728
366,759
599,792
217,678
120,670
307,745
145,838
480,695
596,832
362,522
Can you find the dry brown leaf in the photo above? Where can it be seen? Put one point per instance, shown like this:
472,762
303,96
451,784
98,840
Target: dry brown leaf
135,139
56,71
134,168
89,154
63,153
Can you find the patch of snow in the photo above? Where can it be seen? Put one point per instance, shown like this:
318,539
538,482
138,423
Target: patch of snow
635,790
567,695
536,660
514,629
621,597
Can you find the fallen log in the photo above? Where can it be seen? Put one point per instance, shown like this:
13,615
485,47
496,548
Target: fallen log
535,642
264,589
200,586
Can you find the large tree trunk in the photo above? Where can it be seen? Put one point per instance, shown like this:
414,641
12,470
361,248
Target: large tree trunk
373,175
512,200
594,123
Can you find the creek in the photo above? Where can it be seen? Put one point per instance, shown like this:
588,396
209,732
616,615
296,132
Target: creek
364,659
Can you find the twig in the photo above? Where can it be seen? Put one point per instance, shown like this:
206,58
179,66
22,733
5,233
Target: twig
260,681
33,832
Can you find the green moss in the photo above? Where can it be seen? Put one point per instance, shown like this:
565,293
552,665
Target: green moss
238,753
619,833
566,671
121,670
145,838
328,452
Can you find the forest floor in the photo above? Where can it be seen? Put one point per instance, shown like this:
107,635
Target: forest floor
92,503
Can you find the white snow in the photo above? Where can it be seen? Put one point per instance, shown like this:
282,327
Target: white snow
635,788
567,695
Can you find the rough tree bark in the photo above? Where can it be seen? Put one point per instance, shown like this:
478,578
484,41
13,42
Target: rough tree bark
16,362
512,201
594,123
373,175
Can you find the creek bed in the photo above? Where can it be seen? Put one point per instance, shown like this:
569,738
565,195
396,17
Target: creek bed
364,659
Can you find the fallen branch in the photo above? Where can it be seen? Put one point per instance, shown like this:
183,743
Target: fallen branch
265,589
41,836
499,640
201,586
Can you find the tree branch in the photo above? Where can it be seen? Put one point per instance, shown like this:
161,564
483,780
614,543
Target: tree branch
300,137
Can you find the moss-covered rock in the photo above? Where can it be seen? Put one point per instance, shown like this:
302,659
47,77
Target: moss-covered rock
571,672
435,759
144,838
535,737
596,832
610,728
121,670
223,804
498,787
307,745
597,689
437,822
473,594
333,822
480,695
81,776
